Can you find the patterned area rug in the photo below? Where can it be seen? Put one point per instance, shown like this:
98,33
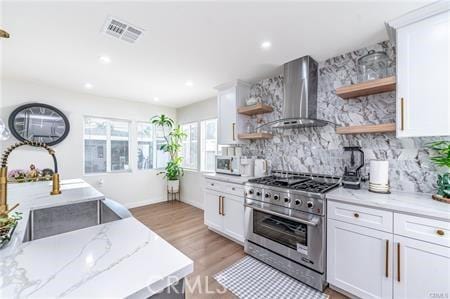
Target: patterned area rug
250,278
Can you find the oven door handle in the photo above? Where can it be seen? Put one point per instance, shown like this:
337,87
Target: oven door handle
299,220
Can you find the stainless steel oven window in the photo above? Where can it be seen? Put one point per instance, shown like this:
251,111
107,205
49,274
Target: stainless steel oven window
283,231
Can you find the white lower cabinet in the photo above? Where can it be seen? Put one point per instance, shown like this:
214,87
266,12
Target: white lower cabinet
233,218
359,260
224,212
423,269
211,204
411,261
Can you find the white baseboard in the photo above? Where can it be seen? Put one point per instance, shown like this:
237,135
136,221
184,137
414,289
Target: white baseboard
141,203
194,203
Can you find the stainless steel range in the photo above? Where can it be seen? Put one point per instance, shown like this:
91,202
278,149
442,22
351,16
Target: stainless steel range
285,223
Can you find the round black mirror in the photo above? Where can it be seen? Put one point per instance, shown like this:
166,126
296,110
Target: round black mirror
39,122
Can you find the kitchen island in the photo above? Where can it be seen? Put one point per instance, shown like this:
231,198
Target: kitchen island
117,259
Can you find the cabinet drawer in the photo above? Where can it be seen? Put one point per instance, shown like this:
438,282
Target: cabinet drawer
368,217
223,187
424,229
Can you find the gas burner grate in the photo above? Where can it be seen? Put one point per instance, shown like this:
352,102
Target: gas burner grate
314,186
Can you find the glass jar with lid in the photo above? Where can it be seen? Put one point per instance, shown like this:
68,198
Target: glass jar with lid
373,66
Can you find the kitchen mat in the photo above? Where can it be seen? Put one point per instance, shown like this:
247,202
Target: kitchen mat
250,278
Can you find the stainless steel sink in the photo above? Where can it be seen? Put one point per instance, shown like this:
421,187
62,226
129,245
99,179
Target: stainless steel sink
56,220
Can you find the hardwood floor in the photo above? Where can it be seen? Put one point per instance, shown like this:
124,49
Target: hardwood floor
182,225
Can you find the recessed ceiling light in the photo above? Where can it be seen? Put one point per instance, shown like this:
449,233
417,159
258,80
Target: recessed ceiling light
88,86
266,45
189,83
156,99
104,59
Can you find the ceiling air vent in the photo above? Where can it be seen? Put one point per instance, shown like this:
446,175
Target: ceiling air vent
122,30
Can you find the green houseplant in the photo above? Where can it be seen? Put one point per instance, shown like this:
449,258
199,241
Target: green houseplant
442,158
173,135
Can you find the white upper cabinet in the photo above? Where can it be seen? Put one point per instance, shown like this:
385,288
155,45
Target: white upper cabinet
423,67
229,98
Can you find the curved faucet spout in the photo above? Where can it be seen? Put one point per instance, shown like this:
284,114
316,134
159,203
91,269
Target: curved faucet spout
4,172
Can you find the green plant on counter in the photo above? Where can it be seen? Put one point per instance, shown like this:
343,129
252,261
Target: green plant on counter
7,223
173,135
442,148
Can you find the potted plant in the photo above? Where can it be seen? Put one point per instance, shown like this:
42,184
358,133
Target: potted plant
442,148
173,136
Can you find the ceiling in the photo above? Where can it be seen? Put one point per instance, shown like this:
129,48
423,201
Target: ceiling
209,43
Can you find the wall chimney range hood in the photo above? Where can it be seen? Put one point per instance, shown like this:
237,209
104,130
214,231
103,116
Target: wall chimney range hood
300,96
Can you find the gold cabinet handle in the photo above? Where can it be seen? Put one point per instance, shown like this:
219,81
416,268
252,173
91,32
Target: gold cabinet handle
440,232
398,262
356,215
386,265
402,114
234,128
223,206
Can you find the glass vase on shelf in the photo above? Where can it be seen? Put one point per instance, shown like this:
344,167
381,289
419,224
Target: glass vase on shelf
373,66
249,127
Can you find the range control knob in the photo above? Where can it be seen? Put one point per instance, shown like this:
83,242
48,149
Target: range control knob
258,193
267,195
250,191
298,202
287,200
309,204
276,197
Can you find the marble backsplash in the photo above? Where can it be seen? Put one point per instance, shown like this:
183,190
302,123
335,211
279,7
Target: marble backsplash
320,150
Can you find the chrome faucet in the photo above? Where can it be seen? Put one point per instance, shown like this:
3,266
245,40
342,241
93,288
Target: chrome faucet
4,172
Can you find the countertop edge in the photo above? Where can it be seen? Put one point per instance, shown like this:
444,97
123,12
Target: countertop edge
397,206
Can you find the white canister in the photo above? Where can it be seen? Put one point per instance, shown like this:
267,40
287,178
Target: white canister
231,151
379,172
225,151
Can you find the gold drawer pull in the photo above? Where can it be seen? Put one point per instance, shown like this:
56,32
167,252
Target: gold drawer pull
356,215
440,232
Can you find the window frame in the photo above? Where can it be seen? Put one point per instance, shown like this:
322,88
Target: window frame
197,162
108,139
153,145
199,142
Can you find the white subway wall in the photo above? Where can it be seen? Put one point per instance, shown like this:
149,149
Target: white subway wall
133,188
193,181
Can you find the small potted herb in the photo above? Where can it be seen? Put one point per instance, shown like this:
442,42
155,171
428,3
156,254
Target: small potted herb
8,222
442,159
173,136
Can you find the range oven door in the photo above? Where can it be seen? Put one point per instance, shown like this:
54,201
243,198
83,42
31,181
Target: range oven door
293,234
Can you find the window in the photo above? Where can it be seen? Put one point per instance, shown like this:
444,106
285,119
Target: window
189,150
161,157
145,146
208,145
106,145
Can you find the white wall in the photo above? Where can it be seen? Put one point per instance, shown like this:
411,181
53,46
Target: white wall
192,182
133,188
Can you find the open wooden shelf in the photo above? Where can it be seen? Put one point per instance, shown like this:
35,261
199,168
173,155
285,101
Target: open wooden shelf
381,128
255,136
255,109
367,88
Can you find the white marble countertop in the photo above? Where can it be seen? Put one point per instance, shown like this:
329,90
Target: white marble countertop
420,204
235,179
118,259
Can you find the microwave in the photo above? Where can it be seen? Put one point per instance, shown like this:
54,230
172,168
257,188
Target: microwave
228,165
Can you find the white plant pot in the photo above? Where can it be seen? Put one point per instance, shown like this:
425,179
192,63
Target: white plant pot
173,186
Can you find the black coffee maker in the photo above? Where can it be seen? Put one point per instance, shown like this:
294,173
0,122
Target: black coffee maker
352,172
